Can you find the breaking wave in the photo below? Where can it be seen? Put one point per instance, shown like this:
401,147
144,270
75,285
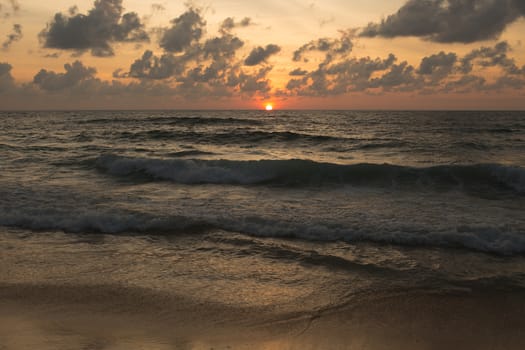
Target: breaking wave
296,172
502,240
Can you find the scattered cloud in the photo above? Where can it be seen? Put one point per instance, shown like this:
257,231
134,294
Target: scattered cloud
191,63
196,66
332,47
15,35
229,24
261,54
437,73
448,21
104,25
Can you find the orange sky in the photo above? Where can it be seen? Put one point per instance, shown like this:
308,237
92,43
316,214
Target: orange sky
339,67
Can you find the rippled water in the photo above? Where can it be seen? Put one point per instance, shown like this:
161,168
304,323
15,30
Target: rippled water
259,208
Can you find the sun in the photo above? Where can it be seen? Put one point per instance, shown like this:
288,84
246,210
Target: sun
269,107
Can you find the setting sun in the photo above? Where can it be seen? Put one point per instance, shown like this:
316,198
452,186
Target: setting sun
269,107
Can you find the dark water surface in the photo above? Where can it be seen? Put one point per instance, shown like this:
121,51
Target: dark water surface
294,210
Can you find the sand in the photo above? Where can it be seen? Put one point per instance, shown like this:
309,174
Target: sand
112,317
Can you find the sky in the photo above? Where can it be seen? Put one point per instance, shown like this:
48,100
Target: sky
236,54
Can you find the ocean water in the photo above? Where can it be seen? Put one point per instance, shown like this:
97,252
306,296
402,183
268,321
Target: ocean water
295,211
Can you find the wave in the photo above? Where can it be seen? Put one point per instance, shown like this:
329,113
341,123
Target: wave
232,137
172,120
190,153
296,172
502,240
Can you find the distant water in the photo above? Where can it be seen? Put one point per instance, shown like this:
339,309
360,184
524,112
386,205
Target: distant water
216,203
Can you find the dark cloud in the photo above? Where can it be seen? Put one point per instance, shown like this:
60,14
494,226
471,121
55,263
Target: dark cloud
15,35
223,47
150,66
464,84
448,21
185,30
220,50
75,74
103,25
437,73
298,72
339,76
79,82
331,47
490,57
438,66
400,77
261,54
229,23
197,67
507,82
6,79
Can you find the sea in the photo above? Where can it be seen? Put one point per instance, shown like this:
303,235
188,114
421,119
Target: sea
289,212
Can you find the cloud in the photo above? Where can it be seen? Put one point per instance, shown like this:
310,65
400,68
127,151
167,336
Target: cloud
399,77
104,25
490,57
343,75
75,74
223,47
185,29
448,21
438,66
261,54
150,66
6,79
220,50
229,24
464,84
80,82
438,73
298,72
195,66
15,35
331,47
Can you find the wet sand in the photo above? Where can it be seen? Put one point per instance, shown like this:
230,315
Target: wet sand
112,317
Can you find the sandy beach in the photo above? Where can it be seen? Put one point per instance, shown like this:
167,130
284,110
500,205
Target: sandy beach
109,317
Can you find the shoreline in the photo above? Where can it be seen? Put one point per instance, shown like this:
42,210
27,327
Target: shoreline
114,317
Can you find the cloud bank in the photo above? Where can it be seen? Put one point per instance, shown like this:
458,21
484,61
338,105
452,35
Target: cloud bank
339,73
